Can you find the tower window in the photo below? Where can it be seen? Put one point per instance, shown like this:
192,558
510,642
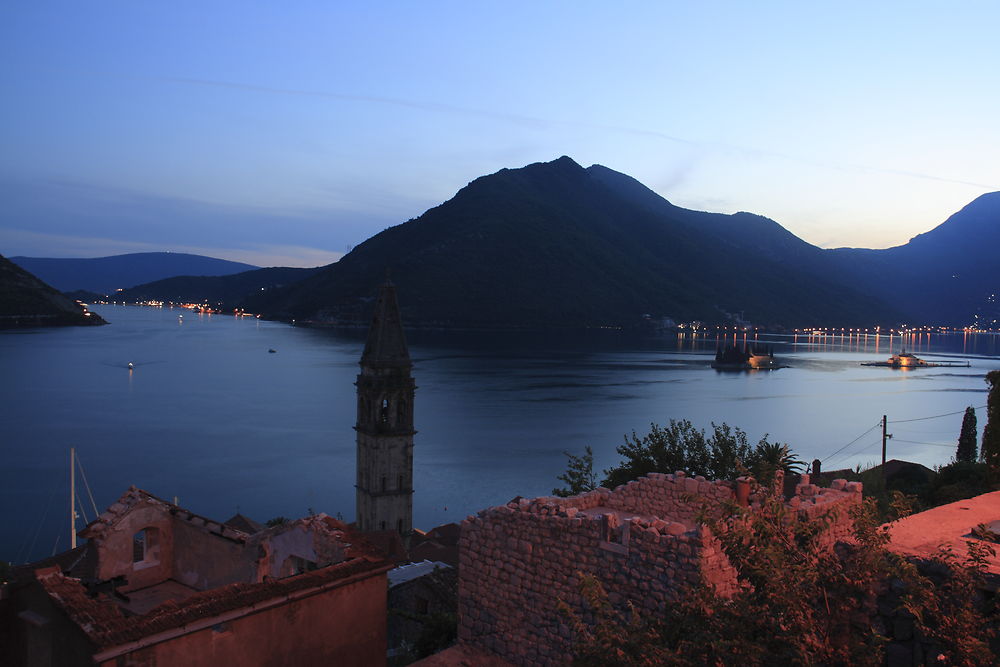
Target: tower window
382,525
384,417
399,526
384,483
399,483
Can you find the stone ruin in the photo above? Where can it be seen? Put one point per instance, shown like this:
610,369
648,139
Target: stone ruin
642,541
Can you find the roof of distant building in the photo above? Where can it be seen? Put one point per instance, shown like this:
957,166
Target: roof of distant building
925,533
246,524
134,496
410,571
105,624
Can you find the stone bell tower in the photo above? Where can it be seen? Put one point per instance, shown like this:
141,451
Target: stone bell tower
385,423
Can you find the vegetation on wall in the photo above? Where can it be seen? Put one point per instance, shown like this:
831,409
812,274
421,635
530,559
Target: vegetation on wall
800,602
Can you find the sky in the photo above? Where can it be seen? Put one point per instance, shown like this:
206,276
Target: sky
286,133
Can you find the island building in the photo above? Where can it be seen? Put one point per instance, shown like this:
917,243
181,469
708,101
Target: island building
156,584
385,424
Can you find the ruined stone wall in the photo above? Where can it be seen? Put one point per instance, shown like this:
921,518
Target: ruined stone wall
641,541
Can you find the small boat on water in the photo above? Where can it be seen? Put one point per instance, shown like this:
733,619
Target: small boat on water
909,360
749,357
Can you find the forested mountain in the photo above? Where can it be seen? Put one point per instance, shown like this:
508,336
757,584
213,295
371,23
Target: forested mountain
25,301
104,275
949,275
554,244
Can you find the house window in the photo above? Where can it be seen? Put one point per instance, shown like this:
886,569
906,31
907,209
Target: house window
145,545
139,547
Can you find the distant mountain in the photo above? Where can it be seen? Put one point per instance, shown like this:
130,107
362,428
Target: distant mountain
223,290
554,244
104,275
949,275
25,301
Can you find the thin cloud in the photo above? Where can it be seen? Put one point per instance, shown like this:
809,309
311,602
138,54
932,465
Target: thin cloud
535,121
542,122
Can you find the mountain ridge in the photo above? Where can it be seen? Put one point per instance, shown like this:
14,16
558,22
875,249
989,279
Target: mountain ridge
105,275
554,244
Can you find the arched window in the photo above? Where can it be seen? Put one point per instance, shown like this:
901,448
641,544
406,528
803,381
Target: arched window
384,416
384,483
399,483
399,525
382,525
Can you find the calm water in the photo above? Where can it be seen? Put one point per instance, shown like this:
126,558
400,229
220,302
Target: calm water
209,416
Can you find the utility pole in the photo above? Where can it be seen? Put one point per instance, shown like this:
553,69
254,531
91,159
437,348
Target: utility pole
885,437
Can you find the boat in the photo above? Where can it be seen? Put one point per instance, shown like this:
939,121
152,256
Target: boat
749,357
909,360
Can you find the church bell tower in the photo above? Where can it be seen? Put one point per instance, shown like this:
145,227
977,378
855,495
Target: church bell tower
385,423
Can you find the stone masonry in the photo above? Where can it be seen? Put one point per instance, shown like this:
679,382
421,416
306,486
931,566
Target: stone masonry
641,541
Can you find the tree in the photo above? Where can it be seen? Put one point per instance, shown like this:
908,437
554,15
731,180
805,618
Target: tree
579,475
799,603
967,437
680,446
768,458
991,433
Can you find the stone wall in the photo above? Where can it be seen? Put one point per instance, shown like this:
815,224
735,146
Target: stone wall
642,541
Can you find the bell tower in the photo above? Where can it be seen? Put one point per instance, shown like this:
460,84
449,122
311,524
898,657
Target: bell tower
385,423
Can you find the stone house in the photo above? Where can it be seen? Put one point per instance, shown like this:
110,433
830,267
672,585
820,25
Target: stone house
158,584
642,541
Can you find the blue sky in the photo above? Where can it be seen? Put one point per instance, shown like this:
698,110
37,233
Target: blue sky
286,133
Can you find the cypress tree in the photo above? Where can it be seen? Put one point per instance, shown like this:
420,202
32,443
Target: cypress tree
991,434
967,438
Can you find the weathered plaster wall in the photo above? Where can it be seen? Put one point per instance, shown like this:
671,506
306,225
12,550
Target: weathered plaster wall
641,541
342,626
115,548
203,561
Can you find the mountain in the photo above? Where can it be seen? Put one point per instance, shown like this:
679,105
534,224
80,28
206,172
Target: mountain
225,290
25,301
104,275
554,244
949,275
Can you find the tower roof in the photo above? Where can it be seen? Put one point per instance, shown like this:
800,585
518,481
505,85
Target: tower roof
386,345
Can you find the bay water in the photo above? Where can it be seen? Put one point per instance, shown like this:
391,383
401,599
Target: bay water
209,416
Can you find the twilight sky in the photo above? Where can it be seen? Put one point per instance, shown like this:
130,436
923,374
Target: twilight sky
286,133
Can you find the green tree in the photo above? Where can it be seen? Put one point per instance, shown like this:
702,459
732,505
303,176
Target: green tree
579,475
991,433
967,437
769,457
725,454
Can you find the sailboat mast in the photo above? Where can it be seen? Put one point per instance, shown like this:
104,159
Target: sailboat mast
72,497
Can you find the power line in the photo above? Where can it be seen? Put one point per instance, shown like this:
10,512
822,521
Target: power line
829,456
915,442
947,414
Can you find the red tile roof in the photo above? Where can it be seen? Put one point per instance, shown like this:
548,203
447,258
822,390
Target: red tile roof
107,626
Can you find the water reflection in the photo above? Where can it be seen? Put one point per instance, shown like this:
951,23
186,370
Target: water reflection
218,421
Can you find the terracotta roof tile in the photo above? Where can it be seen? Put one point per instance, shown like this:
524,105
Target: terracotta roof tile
107,626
